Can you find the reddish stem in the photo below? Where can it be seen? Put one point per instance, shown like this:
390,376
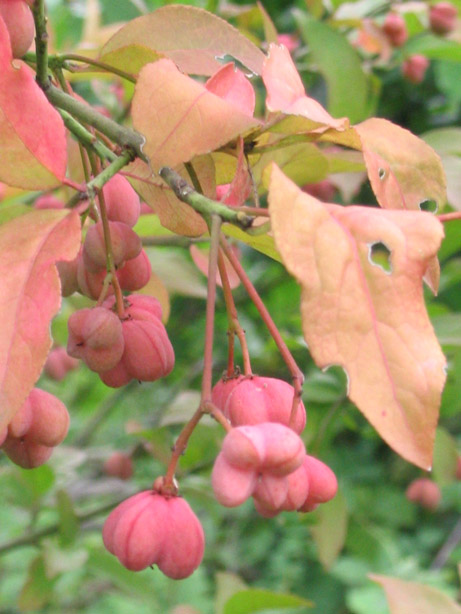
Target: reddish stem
448,217
234,324
296,373
205,401
210,308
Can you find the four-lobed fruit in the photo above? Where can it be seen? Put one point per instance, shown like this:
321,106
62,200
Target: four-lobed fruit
152,529
38,426
118,465
395,28
425,492
126,244
252,400
122,202
96,337
414,68
20,24
59,363
148,354
442,17
250,453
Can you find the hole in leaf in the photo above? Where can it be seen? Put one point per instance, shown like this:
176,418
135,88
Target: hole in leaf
428,205
381,173
380,255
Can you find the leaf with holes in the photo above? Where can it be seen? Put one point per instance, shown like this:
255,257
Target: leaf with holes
30,297
33,151
412,597
370,321
286,93
193,38
180,118
405,173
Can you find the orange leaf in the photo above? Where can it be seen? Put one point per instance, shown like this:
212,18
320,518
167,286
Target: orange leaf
404,171
30,297
414,598
33,137
173,213
286,93
370,321
180,118
191,37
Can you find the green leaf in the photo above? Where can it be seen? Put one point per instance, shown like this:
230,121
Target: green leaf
330,531
445,457
37,589
257,600
348,87
227,584
413,598
434,48
448,328
68,522
263,243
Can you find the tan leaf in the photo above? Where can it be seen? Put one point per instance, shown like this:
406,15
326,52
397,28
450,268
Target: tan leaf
180,118
404,171
370,321
191,37
173,213
414,598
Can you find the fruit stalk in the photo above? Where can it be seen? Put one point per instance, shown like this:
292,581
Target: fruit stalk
296,373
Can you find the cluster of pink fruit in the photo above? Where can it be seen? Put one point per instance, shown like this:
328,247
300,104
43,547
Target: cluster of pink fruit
442,20
119,350
40,424
86,274
261,456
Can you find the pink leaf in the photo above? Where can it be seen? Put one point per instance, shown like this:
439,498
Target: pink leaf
286,93
180,118
236,192
231,84
33,138
30,297
371,321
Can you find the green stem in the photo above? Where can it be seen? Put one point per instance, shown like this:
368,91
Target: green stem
41,42
86,138
206,206
33,538
123,136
